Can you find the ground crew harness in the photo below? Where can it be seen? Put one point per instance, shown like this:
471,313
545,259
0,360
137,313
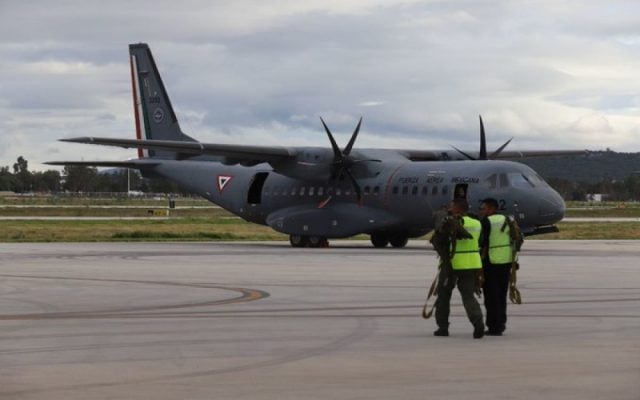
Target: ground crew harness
504,247
447,240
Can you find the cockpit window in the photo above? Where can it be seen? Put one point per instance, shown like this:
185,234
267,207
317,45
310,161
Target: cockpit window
519,180
514,179
504,182
492,181
536,180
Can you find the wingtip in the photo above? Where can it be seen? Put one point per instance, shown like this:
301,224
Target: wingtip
83,139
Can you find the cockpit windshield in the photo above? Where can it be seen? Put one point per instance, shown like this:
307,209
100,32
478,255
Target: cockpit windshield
519,180
514,179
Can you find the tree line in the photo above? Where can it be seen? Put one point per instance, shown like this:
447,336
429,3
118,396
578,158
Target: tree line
78,178
627,189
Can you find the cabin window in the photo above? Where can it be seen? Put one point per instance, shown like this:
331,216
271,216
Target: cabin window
445,190
434,190
367,190
338,191
294,190
414,190
347,191
321,191
405,190
376,190
425,190
312,191
302,191
395,190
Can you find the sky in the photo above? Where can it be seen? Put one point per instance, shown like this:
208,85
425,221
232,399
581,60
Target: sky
553,75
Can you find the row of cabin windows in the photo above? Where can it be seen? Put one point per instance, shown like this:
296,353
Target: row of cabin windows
368,190
319,191
425,190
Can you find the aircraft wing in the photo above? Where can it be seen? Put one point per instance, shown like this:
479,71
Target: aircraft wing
443,155
235,152
246,154
540,153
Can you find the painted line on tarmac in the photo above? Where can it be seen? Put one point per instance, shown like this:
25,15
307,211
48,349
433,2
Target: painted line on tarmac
246,295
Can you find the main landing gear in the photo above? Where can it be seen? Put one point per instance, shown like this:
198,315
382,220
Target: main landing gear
380,240
397,240
308,241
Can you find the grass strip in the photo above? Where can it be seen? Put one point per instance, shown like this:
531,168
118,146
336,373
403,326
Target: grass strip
212,229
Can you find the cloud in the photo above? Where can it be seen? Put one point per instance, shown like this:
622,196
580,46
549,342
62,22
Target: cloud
252,71
371,103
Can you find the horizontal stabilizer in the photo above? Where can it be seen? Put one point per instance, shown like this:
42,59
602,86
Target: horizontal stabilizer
107,164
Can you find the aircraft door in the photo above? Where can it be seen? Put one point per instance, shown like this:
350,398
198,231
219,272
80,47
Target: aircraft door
460,191
254,195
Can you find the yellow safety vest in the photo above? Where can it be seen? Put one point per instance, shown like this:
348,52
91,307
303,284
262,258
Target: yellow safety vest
500,251
467,255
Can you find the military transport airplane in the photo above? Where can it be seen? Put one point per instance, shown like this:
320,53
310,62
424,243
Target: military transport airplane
313,194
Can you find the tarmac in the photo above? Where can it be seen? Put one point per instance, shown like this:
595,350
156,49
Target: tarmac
267,321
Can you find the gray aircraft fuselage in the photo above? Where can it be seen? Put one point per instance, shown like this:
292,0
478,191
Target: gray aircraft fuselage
400,197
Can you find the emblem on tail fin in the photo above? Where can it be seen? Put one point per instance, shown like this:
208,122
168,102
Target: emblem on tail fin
223,180
158,115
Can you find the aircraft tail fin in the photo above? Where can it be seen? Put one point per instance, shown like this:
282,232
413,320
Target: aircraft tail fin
154,115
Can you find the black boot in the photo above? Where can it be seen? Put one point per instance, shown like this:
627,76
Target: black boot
441,332
478,331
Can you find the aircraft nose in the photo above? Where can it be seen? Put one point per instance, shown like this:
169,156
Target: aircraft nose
552,207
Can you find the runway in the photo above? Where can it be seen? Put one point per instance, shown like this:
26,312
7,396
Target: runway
267,321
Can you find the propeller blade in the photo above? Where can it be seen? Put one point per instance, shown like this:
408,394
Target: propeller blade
463,153
483,142
336,150
355,185
347,149
497,152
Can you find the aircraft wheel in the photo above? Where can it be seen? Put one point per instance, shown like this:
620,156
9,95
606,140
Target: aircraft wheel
379,240
317,241
298,240
399,241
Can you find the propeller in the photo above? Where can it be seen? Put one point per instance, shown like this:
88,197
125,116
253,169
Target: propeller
483,147
343,161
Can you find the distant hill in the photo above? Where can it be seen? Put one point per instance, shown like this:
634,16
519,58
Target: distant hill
591,168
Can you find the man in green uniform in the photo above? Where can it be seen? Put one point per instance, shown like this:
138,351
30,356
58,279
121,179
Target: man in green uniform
501,239
461,266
